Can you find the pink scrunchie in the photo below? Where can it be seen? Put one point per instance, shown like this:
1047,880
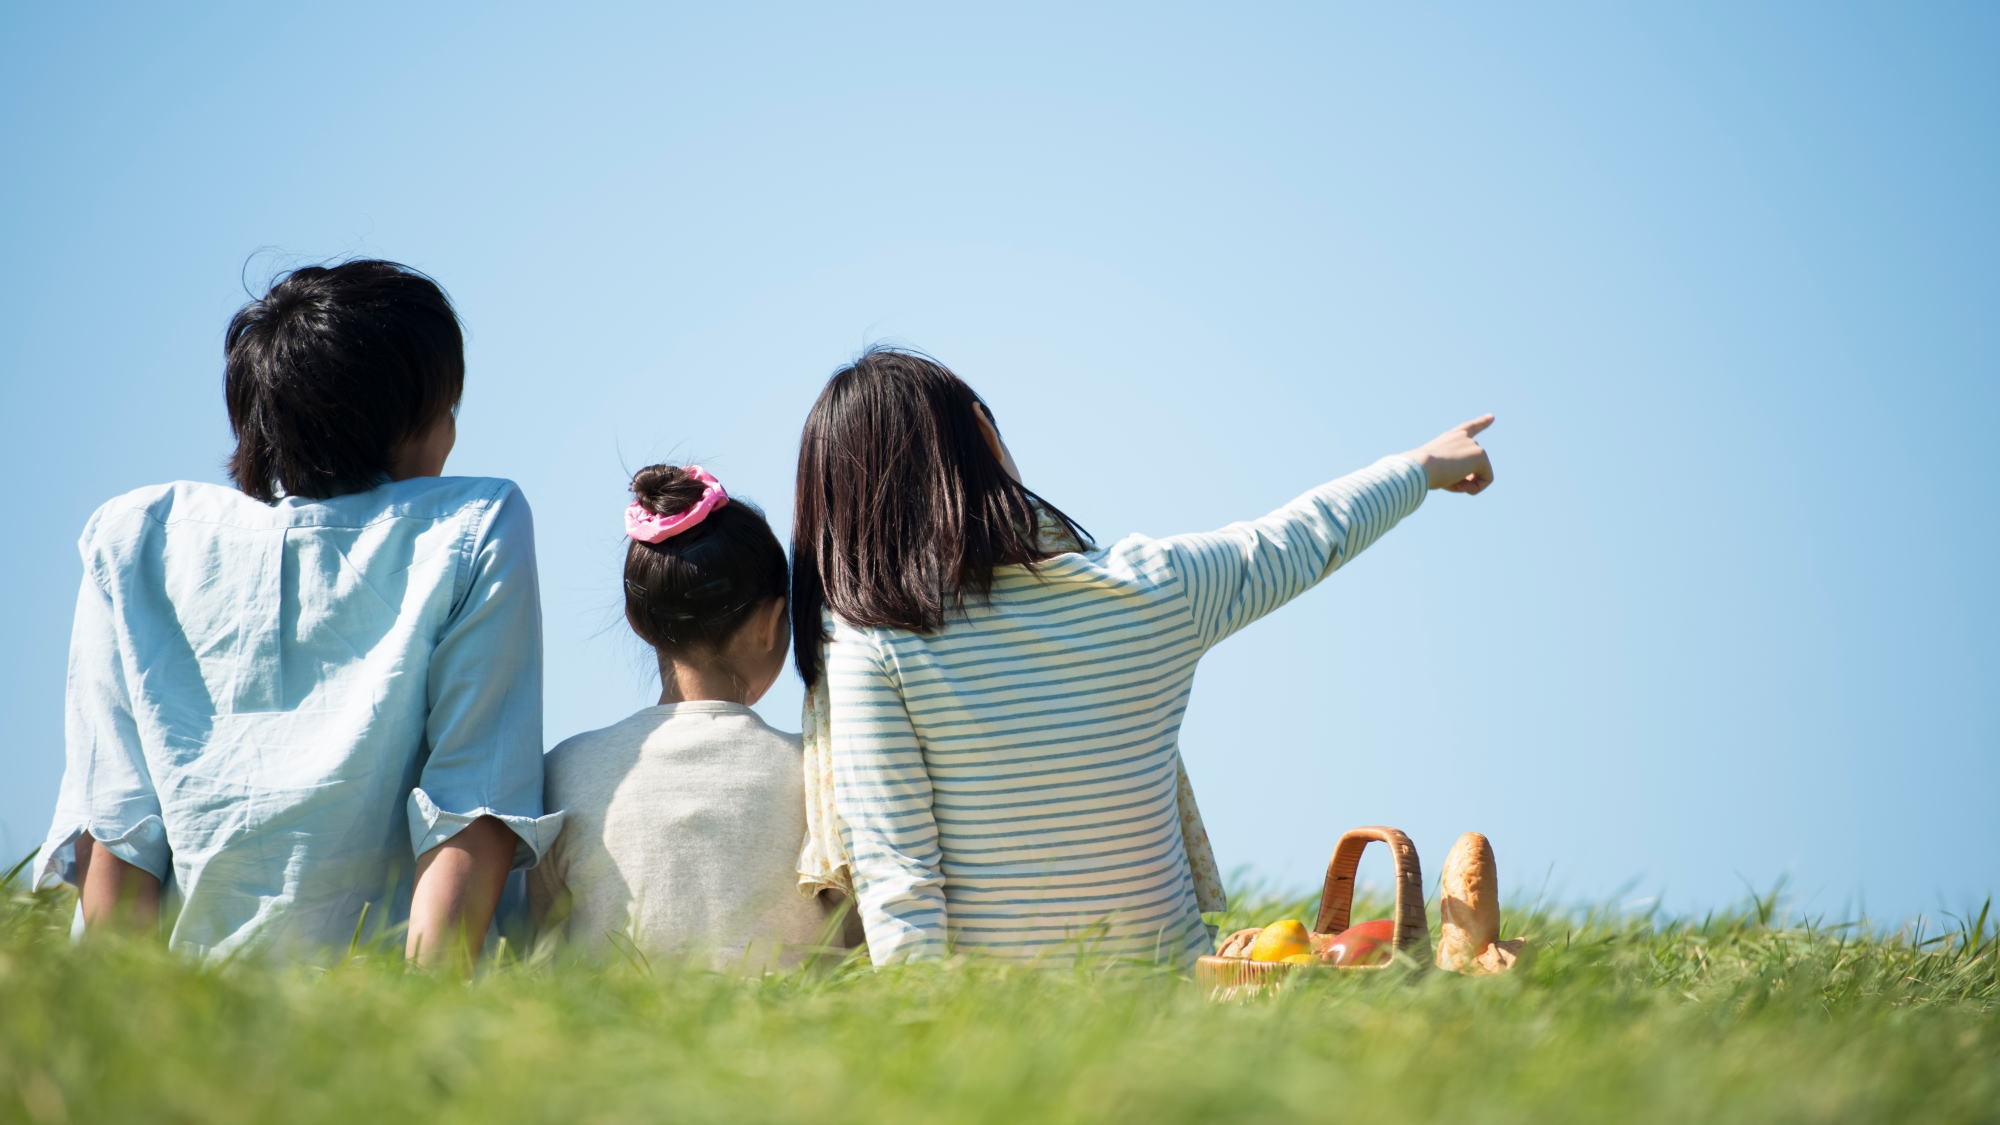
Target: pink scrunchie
648,526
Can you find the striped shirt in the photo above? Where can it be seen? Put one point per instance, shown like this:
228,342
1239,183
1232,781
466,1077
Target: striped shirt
1007,784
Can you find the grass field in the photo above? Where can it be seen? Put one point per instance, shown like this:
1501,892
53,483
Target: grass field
1731,1018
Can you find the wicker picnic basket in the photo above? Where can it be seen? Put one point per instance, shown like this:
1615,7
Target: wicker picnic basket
1411,936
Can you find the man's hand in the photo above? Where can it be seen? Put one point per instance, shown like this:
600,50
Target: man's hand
1455,462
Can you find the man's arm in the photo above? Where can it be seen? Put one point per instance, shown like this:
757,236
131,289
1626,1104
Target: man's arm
458,887
115,895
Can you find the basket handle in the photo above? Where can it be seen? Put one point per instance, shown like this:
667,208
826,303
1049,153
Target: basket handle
1336,900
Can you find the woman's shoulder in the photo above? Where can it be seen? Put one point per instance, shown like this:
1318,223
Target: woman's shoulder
1134,561
846,643
840,631
1136,558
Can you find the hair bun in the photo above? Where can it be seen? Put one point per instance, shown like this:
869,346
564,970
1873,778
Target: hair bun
666,490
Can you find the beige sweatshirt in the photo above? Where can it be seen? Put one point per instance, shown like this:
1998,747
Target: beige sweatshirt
681,833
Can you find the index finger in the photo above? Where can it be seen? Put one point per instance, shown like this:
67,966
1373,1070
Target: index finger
1477,425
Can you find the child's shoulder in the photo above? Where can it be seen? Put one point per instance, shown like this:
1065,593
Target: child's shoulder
694,714
631,728
667,723
762,729
630,731
659,747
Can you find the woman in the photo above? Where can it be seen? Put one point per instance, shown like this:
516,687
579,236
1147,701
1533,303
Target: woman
995,703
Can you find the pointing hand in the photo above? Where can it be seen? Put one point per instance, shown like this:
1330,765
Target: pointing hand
1454,461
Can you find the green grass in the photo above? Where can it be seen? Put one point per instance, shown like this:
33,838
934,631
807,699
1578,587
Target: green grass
1732,1018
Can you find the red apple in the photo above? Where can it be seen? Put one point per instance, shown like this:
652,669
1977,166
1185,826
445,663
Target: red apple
1365,944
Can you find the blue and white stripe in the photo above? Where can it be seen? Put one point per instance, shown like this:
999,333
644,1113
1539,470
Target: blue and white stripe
1008,784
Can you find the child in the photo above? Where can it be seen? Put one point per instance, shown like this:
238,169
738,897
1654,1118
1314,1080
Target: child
308,708
997,703
684,820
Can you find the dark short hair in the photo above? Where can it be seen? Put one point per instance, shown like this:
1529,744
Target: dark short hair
331,371
696,589
903,508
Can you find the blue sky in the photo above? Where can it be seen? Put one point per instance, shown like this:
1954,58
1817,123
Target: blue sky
1727,274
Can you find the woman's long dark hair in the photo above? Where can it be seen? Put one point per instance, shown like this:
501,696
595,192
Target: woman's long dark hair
903,508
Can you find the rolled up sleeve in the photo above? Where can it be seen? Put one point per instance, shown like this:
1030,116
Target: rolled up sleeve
107,789
484,728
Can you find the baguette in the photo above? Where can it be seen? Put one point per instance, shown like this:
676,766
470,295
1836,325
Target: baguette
1238,944
1468,904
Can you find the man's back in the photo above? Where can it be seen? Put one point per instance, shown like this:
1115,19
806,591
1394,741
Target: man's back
260,689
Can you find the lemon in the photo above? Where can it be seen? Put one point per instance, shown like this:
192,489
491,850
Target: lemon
1299,959
1280,940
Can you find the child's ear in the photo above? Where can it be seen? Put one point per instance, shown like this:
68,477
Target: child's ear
775,625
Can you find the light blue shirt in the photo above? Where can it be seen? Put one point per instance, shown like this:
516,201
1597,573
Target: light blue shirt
276,708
